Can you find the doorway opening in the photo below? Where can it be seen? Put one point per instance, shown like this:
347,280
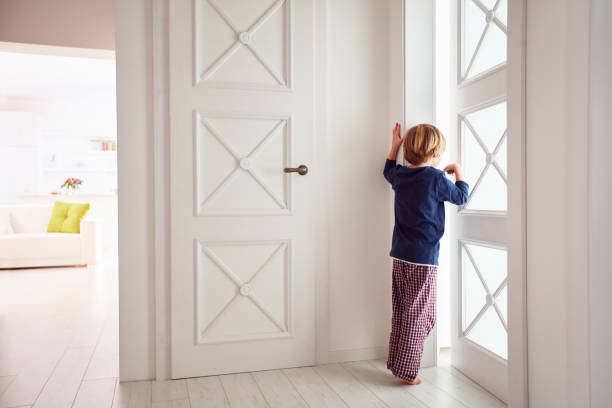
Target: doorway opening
58,225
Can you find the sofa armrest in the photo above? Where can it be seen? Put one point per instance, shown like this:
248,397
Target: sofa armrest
91,242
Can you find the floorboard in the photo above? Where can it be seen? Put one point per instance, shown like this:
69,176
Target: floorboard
96,393
168,390
393,392
63,385
348,388
206,392
27,385
182,403
468,393
311,386
135,394
278,390
242,391
426,392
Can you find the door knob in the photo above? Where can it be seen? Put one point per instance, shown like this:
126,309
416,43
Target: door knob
301,170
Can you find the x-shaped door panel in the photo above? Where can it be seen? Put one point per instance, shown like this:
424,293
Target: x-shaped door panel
485,145
484,293
244,287
244,39
274,186
483,36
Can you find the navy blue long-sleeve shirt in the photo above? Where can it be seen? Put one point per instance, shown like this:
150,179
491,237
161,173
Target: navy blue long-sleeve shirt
420,193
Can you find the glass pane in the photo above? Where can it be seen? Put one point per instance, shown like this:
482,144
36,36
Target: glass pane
492,264
473,28
491,194
502,12
474,158
490,333
474,295
502,302
492,50
489,123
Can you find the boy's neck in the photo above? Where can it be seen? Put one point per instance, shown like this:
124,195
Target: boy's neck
433,161
424,164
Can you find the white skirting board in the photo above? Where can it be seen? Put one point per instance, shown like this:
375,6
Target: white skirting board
371,353
374,353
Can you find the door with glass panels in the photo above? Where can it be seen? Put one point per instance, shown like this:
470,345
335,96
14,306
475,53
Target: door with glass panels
480,241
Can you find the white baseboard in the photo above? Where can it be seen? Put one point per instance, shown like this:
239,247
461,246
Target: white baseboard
371,353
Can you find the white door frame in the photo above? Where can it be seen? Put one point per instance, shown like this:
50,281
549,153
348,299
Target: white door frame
161,176
518,386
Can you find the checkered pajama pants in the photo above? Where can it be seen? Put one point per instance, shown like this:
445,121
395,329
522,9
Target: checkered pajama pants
414,315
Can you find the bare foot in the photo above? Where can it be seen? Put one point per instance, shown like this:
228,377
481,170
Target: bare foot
416,381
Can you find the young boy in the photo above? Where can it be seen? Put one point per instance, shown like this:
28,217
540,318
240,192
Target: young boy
420,193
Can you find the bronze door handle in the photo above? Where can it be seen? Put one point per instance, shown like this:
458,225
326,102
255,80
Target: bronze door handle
301,170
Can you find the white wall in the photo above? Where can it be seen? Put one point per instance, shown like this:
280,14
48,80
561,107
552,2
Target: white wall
600,198
358,135
135,166
557,164
68,23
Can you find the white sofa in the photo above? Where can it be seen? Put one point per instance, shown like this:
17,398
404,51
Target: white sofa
30,245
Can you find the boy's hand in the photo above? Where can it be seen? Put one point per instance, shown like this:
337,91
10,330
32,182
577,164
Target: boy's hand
455,169
396,141
397,135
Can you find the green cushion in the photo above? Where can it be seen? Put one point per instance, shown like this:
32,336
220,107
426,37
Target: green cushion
66,217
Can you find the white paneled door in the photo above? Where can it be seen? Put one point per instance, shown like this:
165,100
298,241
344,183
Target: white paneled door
242,224
481,235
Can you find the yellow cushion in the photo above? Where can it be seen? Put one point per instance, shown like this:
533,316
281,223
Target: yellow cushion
58,216
66,217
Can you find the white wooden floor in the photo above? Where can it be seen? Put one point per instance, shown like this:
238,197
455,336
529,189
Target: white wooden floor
59,348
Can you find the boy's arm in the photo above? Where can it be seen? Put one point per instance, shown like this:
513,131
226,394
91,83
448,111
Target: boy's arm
456,193
389,170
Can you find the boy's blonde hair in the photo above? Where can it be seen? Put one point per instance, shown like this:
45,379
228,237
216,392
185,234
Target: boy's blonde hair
422,142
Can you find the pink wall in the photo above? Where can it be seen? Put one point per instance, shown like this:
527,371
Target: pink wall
68,23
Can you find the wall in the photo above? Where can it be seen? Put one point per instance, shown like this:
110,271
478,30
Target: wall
69,23
599,206
135,166
557,168
359,203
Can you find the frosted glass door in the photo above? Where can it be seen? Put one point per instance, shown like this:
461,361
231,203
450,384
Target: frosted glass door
480,255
